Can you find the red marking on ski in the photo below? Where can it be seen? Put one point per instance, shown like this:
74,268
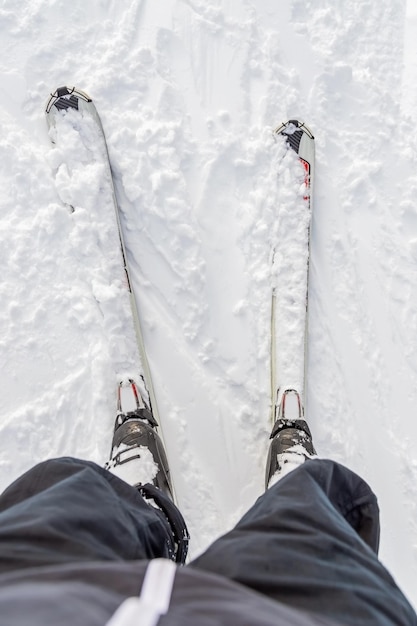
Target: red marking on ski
306,166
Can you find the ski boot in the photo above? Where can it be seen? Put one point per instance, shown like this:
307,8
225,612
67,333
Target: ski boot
138,457
137,452
291,438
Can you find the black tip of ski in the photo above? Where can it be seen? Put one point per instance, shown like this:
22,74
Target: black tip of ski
66,103
66,98
293,131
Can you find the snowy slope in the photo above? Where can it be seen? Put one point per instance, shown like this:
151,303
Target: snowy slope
188,92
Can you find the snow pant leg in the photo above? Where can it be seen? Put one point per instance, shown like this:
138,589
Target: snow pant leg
66,510
310,542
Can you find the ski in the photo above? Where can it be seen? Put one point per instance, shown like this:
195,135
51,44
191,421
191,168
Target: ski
69,101
289,309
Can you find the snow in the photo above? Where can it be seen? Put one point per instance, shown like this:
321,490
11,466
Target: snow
188,97
136,464
288,461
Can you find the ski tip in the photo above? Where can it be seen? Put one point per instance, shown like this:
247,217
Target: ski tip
66,98
300,139
293,127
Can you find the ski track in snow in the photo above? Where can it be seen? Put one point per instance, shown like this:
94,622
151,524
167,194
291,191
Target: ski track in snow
188,97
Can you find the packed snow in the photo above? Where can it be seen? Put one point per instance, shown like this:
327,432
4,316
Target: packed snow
137,466
189,94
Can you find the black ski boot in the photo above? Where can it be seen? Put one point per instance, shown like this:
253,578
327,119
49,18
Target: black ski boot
138,457
137,452
292,442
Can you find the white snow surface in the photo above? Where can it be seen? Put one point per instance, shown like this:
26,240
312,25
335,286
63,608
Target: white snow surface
189,92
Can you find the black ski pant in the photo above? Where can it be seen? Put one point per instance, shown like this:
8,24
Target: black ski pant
309,542
67,510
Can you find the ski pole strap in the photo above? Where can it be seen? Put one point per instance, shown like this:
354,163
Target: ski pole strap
154,598
175,519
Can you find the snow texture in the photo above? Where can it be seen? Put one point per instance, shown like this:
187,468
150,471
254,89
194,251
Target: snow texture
137,465
288,461
188,95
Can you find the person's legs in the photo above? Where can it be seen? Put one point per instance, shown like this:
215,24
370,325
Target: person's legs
67,510
310,542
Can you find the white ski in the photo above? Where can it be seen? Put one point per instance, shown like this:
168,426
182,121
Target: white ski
289,310
74,102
